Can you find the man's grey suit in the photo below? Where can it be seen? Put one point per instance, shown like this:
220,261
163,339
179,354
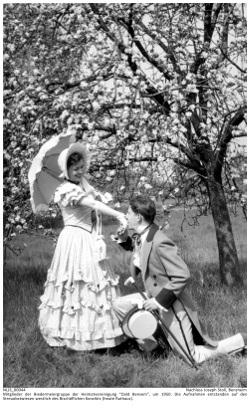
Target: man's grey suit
165,276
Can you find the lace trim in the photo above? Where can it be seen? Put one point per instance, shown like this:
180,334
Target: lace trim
66,295
81,336
81,276
70,306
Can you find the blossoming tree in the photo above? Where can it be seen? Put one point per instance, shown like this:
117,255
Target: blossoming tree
157,91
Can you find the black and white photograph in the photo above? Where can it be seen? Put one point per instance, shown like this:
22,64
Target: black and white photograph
124,201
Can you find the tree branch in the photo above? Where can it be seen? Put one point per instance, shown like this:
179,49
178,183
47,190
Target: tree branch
235,121
143,51
159,99
232,62
167,75
227,136
190,166
209,26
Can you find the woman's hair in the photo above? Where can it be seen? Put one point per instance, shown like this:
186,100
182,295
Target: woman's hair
73,159
144,206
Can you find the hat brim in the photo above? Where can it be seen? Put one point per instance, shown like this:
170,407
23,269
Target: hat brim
77,147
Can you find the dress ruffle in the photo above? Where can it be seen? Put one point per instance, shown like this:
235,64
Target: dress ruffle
77,302
71,293
83,341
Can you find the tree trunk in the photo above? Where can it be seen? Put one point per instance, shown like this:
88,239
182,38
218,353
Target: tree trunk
229,263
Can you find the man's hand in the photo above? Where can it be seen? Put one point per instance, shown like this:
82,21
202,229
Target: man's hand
150,304
122,234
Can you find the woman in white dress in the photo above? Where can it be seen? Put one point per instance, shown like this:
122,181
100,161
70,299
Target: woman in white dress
76,309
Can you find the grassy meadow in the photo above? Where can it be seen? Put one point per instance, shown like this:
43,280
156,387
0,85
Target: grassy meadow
29,362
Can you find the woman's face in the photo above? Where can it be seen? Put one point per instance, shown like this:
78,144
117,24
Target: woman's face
75,171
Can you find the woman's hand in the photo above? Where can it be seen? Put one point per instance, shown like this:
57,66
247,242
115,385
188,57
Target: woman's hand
123,224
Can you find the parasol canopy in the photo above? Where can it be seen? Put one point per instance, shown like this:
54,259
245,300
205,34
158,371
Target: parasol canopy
44,174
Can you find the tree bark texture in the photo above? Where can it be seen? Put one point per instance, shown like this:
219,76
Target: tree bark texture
229,264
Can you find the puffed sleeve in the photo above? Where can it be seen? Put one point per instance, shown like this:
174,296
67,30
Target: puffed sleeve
69,194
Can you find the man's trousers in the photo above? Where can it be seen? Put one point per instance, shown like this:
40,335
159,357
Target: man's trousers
178,322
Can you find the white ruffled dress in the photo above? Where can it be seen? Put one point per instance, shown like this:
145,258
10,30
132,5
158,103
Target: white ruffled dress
76,309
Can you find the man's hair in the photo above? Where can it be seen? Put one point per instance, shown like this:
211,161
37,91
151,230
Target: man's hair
73,159
144,206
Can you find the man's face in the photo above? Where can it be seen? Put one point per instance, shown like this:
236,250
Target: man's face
132,218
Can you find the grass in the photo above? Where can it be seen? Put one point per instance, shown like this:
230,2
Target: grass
29,362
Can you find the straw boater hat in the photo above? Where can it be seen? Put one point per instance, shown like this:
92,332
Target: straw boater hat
65,154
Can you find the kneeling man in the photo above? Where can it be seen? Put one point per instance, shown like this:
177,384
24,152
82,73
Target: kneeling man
165,277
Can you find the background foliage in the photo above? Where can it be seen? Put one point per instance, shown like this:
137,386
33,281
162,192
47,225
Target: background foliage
156,91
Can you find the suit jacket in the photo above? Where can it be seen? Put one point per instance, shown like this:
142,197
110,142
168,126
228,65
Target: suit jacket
165,276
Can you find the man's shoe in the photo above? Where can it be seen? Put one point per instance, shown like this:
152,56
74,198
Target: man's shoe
244,336
147,344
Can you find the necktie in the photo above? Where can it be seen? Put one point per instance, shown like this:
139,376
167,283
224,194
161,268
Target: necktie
136,237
